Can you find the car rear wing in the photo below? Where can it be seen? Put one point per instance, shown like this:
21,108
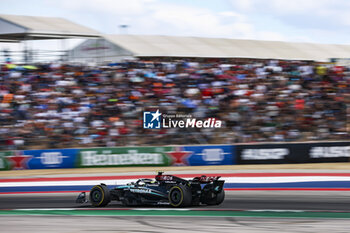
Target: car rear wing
200,179
206,179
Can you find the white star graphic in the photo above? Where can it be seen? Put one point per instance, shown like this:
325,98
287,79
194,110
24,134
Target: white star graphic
156,115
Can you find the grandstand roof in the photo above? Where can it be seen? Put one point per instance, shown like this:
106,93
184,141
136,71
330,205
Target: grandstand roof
17,27
175,46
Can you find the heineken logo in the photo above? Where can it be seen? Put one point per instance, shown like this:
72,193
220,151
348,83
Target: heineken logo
107,157
2,164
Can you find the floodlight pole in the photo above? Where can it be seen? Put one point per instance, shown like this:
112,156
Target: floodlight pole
27,54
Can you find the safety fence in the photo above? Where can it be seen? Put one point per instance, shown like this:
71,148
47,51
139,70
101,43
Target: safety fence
195,155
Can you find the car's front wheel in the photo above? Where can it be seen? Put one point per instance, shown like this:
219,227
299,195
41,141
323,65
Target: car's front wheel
100,196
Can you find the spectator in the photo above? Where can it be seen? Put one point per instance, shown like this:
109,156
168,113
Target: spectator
259,101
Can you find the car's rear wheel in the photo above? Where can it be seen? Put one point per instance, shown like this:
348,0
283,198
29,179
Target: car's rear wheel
180,196
100,196
217,199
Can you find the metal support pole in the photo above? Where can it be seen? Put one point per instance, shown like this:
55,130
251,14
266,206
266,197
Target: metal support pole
64,54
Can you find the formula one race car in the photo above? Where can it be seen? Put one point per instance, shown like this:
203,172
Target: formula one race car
163,190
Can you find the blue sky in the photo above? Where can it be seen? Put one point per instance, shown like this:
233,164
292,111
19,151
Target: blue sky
322,21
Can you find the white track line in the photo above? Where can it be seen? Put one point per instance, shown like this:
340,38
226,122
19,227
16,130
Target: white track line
282,179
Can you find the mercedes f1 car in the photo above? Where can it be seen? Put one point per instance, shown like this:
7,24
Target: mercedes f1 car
163,190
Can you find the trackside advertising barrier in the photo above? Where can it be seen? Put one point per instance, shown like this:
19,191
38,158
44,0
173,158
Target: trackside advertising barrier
118,157
55,158
189,155
293,153
328,152
156,156
124,156
5,161
38,159
210,155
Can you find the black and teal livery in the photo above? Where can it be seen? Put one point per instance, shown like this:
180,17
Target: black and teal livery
163,190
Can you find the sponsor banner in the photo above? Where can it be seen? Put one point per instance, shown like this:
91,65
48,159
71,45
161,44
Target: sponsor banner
293,153
271,153
207,155
5,160
329,152
124,156
44,159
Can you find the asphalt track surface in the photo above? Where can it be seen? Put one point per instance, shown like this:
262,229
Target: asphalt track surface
142,224
235,200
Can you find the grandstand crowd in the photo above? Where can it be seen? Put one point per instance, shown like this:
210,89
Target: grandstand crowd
258,101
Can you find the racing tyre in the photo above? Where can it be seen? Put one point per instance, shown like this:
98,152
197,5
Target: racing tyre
180,196
99,196
217,200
